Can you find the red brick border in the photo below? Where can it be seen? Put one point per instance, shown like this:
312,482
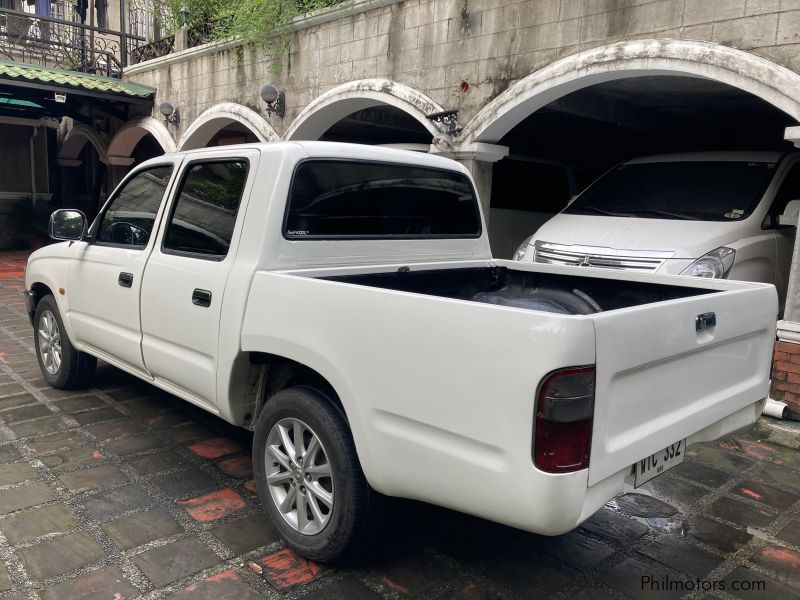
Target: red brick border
786,376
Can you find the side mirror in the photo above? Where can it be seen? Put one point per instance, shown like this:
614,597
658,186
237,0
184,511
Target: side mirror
67,224
790,214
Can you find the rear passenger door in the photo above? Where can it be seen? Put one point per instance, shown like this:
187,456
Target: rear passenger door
184,283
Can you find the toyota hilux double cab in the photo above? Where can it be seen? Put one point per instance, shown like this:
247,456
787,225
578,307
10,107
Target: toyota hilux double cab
341,302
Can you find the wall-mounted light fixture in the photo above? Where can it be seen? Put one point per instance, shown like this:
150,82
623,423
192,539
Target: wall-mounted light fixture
183,16
170,113
275,100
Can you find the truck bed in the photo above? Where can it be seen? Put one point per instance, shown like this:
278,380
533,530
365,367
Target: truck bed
525,289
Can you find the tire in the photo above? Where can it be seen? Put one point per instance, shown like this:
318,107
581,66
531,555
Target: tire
321,536
61,364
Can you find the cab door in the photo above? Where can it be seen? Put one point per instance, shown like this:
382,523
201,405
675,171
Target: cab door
105,273
184,285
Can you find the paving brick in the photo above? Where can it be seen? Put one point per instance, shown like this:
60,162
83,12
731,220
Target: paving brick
165,420
155,463
250,486
285,570
39,427
213,506
717,535
16,473
246,534
113,503
770,589
76,457
764,493
222,586
7,389
115,429
60,555
58,441
184,484
525,576
26,413
215,448
677,493
134,444
640,505
790,533
9,453
108,583
169,563
615,526
755,450
186,433
25,496
741,513
681,556
777,475
140,528
350,588
635,578
30,524
91,479
79,404
17,400
97,416
780,563
145,407
722,460
240,467
5,579
701,473
587,594
579,551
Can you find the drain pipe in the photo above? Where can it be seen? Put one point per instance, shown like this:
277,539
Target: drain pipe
776,409
33,164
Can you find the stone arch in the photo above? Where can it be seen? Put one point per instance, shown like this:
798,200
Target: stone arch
75,140
131,133
759,76
341,101
212,120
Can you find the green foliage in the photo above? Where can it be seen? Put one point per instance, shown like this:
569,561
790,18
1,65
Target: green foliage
256,22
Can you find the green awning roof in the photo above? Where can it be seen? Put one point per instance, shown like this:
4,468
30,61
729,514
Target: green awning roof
73,80
18,103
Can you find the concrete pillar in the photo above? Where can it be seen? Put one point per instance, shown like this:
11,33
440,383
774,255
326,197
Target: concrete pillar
479,158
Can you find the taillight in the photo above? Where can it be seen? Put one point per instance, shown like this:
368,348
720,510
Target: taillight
564,414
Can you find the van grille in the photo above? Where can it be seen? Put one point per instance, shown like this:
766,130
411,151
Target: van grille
645,261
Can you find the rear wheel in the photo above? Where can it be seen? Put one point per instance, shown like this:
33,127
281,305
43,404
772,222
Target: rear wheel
308,475
61,364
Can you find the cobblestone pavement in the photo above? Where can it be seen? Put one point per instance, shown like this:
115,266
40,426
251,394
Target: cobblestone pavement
120,490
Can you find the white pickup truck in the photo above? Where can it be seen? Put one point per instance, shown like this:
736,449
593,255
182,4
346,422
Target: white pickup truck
342,302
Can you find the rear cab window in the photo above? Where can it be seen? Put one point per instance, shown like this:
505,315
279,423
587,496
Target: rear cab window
351,199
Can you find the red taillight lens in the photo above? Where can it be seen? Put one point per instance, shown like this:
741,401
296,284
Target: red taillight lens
564,415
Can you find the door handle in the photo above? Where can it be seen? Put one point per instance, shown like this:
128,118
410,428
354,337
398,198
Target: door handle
125,279
201,297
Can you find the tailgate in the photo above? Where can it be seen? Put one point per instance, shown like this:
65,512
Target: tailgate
660,379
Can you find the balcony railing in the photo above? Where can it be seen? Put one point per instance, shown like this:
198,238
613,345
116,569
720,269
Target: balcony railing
65,44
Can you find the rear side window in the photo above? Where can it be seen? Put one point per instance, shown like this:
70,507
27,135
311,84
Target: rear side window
205,211
356,199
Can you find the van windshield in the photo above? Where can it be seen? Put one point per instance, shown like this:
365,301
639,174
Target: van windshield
691,190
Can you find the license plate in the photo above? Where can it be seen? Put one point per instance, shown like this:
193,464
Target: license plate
655,464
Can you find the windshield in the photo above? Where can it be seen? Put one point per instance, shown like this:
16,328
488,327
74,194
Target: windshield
691,190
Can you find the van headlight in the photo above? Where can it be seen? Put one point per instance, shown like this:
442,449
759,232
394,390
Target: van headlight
523,248
714,265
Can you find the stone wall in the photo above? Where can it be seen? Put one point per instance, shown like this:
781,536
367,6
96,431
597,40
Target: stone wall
434,45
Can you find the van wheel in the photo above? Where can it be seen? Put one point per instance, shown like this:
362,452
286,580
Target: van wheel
61,364
308,476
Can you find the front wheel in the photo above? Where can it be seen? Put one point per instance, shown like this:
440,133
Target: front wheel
308,476
61,364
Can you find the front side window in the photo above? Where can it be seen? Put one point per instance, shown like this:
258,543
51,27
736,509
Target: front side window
205,211
358,199
129,219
